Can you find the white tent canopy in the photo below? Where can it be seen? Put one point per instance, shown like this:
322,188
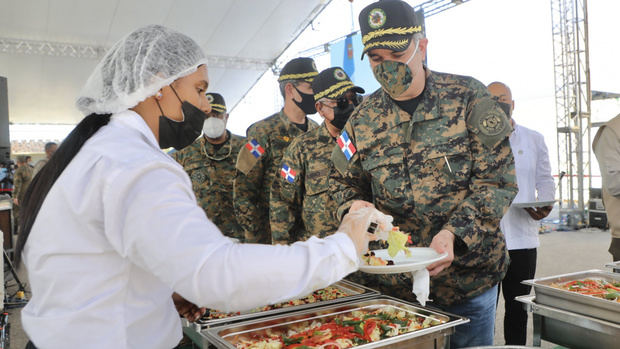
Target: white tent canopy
48,48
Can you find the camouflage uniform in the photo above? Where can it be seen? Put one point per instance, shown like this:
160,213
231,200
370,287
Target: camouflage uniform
21,180
258,164
212,176
300,204
447,166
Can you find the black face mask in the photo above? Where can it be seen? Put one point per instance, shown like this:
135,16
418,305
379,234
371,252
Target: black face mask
343,110
180,134
506,108
307,102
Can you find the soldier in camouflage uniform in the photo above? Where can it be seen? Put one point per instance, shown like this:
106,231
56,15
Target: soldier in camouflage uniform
260,158
300,204
21,181
432,150
210,164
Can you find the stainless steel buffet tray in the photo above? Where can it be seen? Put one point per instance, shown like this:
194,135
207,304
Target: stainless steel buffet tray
569,329
227,336
574,302
615,266
354,290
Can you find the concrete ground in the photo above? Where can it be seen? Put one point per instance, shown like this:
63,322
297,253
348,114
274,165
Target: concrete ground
560,252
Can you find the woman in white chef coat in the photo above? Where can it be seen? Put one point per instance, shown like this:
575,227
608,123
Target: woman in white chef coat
111,227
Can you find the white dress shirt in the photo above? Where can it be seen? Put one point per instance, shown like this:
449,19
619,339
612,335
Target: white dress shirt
533,175
120,230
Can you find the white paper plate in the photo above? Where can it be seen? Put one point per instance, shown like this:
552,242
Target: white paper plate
534,204
420,258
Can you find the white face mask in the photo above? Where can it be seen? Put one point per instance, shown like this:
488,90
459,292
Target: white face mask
214,127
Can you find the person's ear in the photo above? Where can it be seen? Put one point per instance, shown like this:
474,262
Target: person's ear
288,90
319,108
422,46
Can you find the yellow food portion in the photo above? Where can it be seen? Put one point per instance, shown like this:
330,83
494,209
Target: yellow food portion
396,242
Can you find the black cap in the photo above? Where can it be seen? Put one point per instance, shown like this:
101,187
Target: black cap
333,83
388,24
301,68
217,102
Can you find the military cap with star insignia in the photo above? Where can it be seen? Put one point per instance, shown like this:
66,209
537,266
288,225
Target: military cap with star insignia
217,102
333,83
301,68
388,24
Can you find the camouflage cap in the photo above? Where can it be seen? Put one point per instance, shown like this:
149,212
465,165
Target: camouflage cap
217,102
301,68
388,24
333,83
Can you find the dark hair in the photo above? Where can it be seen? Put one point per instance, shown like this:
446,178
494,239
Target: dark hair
47,176
49,145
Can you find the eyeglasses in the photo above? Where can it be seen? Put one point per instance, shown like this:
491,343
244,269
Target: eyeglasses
343,102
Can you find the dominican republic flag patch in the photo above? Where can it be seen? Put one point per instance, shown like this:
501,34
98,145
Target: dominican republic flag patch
346,145
255,148
287,173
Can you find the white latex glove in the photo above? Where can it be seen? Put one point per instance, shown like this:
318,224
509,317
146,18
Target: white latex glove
355,224
381,224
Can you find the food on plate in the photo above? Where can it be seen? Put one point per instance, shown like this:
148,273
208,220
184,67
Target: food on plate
324,294
370,259
340,331
592,287
397,241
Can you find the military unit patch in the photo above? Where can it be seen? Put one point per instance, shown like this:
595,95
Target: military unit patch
255,148
288,173
491,124
198,177
346,145
376,18
339,74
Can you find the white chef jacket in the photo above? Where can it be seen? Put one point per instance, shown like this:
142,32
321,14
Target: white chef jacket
533,175
120,230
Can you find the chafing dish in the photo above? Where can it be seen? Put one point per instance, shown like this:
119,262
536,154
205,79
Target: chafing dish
615,266
355,291
570,329
574,302
227,336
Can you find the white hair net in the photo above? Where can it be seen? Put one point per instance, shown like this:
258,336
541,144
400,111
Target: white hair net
136,67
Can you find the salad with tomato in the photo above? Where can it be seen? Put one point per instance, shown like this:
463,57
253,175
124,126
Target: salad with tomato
341,331
592,287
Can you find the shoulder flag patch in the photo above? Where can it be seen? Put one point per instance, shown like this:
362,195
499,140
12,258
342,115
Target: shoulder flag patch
255,148
288,173
346,145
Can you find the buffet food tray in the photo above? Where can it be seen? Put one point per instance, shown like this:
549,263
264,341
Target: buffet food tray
354,290
575,302
227,336
569,329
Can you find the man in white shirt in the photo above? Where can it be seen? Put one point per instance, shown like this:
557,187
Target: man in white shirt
520,226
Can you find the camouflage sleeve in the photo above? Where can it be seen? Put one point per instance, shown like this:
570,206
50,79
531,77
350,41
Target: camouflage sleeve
247,188
18,183
493,180
348,181
286,199
178,157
